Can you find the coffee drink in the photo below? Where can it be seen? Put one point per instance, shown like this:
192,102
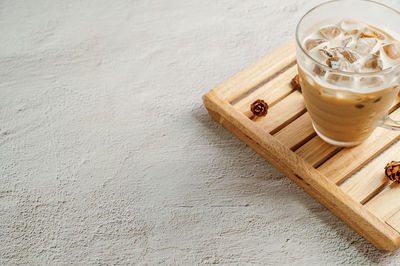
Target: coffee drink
345,89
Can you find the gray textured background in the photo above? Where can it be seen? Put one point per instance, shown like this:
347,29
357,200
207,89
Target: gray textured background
108,156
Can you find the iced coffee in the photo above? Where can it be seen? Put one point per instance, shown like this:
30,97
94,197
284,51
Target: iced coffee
345,90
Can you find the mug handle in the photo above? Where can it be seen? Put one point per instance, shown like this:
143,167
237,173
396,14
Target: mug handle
389,123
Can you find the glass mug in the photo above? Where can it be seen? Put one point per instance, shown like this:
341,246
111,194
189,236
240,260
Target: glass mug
341,116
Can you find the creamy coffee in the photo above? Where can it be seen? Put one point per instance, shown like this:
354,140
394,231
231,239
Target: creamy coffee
345,107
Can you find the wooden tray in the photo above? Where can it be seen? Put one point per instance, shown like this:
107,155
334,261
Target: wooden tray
364,198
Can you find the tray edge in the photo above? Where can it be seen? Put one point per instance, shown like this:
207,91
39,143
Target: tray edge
314,183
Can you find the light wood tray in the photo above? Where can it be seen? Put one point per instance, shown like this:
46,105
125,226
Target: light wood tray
364,198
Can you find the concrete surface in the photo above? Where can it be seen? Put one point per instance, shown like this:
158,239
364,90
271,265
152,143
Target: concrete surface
108,156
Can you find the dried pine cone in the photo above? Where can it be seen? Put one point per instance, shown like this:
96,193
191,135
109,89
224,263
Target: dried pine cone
295,83
259,108
392,171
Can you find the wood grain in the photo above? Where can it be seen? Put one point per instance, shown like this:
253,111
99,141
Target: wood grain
271,92
316,151
282,113
370,179
297,132
394,221
386,203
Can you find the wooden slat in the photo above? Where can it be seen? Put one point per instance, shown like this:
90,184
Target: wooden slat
297,132
255,74
271,92
349,160
394,221
370,179
316,151
386,203
282,113
357,216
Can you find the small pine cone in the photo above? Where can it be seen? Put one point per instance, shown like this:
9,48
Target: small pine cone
392,171
295,83
259,108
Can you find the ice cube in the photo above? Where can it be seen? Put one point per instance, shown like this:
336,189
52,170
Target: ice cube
345,66
330,32
333,62
379,34
350,25
392,50
347,41
371,82
338,79
325,52
319,71
348,55
312,43
374,62
337,63
365,45
353,32
372,33
328,92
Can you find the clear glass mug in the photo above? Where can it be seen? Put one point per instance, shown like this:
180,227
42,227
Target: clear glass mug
342,117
